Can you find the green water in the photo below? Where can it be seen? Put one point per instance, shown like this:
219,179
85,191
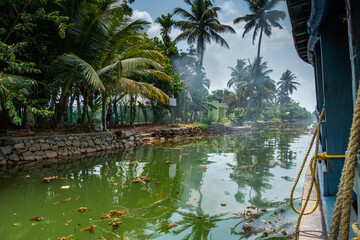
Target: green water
199,189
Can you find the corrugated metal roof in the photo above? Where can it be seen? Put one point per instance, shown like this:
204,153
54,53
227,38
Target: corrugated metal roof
299,11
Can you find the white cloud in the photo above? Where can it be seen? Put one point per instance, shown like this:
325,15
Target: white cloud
154,29
228,9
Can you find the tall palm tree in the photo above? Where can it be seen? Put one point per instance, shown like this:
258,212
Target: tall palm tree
287,83
201,25
239,79
166,24
262,18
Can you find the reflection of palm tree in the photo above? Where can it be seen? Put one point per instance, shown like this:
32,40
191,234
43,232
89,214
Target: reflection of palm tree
199,223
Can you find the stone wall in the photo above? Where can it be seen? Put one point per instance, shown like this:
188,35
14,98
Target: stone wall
14,151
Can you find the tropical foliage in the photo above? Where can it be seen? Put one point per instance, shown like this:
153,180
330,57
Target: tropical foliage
201,26
262,18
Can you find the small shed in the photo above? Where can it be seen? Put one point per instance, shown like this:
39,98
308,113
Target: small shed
220,112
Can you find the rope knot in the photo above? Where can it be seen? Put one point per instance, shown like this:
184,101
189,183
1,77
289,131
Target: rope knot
321,156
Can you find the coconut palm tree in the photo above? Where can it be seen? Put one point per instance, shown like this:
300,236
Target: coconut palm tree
201,26
166,24
287,83
262,18
104,51
239,79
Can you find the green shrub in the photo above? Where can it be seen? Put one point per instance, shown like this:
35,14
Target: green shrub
209,119
276,120
237,117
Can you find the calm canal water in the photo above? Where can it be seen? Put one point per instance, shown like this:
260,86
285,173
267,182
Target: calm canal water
231,187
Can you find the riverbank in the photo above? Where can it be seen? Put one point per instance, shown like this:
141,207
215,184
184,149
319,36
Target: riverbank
51,145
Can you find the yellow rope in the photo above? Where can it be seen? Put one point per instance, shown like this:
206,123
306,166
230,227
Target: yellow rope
313,180
324,155
355,228
341,213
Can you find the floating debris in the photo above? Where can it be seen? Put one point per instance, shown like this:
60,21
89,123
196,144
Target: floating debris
168,162
37,219
115,223
132,163
49,179
15,224
146,179
82,209
117,213
171,225
65,187
223,204
90,229
137,180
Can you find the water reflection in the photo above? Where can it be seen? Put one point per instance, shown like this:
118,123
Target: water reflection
196,190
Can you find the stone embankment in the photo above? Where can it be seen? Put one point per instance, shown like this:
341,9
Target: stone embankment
14,151
18,151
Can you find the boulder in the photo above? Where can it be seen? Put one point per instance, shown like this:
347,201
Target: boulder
51,154
44,146
7,150
28,156
14,157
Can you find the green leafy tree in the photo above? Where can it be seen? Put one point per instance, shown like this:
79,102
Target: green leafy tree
237,117
201,26
262,18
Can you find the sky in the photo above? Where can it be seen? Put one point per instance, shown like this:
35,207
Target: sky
278,50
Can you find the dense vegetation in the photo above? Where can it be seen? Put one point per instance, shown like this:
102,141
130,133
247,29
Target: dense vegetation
55,55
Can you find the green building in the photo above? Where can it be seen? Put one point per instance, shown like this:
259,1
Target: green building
219,112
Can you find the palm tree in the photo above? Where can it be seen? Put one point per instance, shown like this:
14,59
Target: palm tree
287,83
239,79
262,18
201,25
166,24
105,51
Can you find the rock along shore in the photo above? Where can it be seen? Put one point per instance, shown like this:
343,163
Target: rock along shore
22,150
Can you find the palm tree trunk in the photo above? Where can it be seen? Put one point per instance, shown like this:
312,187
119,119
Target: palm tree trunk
103,111
259,44
85,108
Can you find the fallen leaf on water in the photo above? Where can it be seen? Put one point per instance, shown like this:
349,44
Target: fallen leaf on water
145,178
27,176
223,204
67,223
90,229
157,183
82,209
49,179
15,224
57,202
65,187
67,199
117,213
171,225
105,216
116,183
40,218
115,223
132,163
168,162
64,238
137,181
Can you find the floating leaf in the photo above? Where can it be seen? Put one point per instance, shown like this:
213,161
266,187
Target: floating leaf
82,209
116,183
27,176
223,204
146,179
65,187
117,213
132,163
171,225
137,181
90,229
168,162
37,219
15,224
49,179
